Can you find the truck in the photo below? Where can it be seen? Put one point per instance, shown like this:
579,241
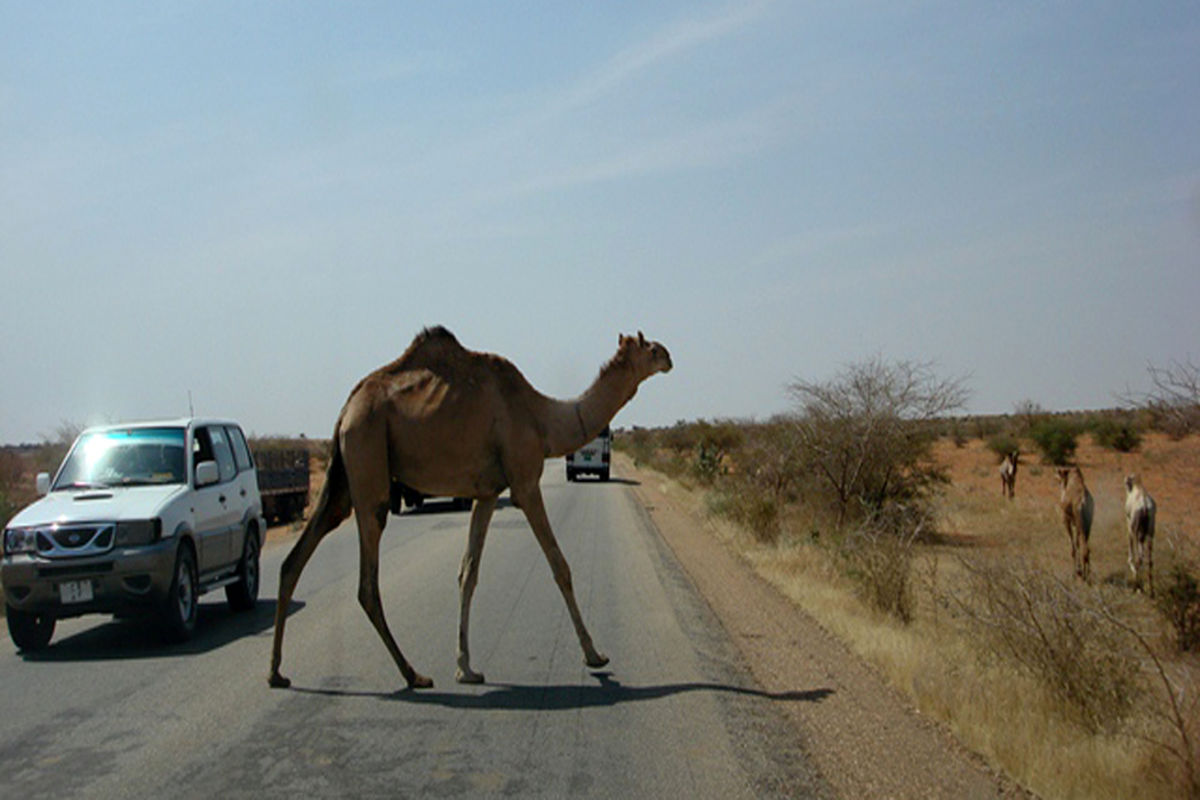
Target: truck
282,482
401,496
594,458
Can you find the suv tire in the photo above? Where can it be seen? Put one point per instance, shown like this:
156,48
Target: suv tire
29,632
243,595
181,605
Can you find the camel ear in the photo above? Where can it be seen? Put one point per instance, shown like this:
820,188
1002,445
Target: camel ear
641,339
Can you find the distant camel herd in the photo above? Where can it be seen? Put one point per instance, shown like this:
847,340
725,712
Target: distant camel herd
1077,507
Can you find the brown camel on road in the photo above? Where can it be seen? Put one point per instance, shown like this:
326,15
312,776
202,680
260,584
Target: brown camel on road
1139,519
1077,506
446,421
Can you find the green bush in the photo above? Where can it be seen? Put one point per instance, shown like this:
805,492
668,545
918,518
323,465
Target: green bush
1123,437
1178,599
1056,439
1002,444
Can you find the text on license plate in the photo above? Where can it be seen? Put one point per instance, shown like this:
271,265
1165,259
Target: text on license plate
75,591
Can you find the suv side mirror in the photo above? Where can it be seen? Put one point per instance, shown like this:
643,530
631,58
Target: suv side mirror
206,473
43,483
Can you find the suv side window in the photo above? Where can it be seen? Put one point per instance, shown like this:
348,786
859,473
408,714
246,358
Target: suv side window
223,452
241,452
212,444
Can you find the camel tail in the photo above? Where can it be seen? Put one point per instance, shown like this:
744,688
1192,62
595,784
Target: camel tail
333,506
333,503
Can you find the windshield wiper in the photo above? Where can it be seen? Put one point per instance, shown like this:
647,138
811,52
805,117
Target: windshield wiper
137,482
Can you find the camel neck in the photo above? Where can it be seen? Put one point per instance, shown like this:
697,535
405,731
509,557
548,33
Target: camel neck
574,423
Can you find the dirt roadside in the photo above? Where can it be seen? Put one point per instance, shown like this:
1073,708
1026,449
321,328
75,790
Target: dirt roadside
866,740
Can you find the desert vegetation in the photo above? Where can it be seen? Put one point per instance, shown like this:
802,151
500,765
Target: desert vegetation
874,506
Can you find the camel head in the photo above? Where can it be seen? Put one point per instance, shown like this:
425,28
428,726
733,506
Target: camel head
645,356
1132,481
1064,475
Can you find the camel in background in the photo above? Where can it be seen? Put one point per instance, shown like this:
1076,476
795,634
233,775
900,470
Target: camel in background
1008,474
1139,519
446,421
1077,506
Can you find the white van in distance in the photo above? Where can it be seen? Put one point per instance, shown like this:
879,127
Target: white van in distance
593,458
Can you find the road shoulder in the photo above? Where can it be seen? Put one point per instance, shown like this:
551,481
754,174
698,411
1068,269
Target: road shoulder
866,740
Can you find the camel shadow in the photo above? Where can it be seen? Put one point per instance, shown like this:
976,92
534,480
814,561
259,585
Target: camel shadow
609,692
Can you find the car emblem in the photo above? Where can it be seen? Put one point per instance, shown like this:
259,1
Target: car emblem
74,539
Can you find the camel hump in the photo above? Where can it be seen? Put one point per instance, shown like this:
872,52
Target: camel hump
432,346
435,335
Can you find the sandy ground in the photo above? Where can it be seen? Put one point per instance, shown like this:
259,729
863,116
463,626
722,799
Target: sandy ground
974,514
866,740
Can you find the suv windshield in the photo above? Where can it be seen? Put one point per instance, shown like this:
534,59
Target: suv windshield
129,457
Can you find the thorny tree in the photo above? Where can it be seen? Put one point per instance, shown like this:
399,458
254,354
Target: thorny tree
863,433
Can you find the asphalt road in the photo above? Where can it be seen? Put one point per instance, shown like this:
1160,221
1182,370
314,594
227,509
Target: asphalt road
107,711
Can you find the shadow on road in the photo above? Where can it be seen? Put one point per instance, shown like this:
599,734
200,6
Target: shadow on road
138,637
609,692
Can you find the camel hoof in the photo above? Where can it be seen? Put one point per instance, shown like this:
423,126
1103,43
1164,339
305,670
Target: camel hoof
596,660
277,681
419,681
468,676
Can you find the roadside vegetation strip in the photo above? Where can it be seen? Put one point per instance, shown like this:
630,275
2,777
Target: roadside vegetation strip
1100,701
860,733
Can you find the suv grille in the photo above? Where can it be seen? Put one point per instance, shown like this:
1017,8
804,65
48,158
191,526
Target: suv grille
74,541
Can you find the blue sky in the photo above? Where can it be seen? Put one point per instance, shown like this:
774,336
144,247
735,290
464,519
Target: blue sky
260,203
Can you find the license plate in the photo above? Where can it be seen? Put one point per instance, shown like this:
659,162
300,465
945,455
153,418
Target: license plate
75,591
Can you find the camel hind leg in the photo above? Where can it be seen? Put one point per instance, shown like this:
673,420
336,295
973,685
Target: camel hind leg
370,529
333,506
370,486
1149,547
468,577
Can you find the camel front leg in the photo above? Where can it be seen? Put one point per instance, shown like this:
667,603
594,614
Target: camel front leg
468,577
1133,558
535,512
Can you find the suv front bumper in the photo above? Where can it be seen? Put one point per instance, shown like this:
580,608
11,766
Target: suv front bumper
123,579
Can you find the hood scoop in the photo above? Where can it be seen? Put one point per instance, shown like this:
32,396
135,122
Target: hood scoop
93,496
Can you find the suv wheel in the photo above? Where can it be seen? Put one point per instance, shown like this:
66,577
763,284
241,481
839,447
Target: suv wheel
179,610
243,595
29,632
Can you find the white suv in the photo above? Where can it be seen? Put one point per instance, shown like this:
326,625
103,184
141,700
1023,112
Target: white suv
139,517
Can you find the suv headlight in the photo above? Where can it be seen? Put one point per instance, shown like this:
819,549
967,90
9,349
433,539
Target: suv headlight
19,540
138,532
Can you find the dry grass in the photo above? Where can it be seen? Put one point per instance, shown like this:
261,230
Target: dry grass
1001,709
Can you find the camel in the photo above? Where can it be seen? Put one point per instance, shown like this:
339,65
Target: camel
1139,519
1077,507
447,421
1008,474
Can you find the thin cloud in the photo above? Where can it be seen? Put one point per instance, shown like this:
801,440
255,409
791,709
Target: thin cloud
672,42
